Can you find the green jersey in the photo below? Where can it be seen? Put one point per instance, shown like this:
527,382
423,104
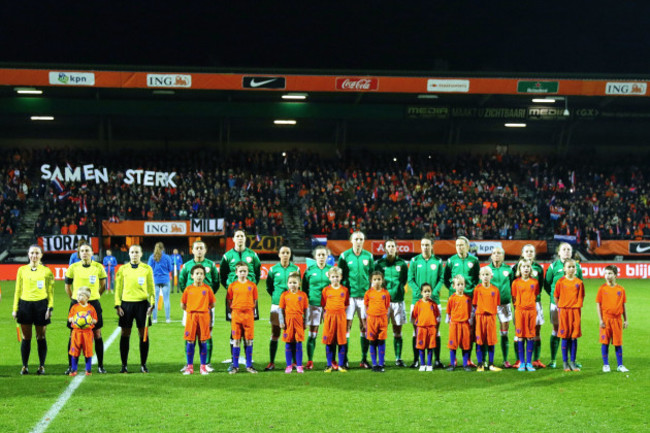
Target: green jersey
467,267
395,275
502,278
422,271
231,258
553,275
276,282
314,281
538,274
356,271
211,274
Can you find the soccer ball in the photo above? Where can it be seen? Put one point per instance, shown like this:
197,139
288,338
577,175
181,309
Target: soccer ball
83,319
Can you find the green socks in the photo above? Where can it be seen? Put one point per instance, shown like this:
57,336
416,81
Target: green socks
537,349
208,343
365,344
397,345
273,348
555,344
504,347
311,348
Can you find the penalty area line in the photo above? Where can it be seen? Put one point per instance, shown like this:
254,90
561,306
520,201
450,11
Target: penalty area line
65,396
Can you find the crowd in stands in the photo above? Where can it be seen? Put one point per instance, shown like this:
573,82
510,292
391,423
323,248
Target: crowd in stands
387,196
14,190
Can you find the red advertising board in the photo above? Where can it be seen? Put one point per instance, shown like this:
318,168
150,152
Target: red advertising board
357,84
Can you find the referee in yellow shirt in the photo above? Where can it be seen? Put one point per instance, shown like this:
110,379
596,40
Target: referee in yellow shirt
33,304
134,300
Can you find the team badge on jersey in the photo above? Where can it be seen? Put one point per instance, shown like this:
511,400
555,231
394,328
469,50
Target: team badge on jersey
40,284
141,281
398,268
535,273
433,266
470,265
249,259
506,273
207,269
365,262
92,279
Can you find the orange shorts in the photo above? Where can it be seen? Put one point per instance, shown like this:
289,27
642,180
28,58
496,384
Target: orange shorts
569,323
459,335
486,329
81,342
613,331
295,329
525,323
377,327
197,321
335,327
242,324
426,337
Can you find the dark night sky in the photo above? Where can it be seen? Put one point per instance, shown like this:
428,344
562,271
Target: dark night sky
595,37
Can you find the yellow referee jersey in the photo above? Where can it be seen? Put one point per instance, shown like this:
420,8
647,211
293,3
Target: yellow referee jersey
134,284
34,285
80,275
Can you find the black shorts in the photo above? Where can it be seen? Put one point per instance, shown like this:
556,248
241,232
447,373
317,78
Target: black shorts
134,311
98,308
32,312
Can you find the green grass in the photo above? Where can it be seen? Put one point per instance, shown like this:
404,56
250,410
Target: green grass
399,400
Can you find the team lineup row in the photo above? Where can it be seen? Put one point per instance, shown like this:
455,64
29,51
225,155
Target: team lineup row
134,300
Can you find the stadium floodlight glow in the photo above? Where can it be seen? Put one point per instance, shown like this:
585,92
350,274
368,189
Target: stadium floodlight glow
566,107
515,125
284,122
28,91
544,100
163,92
42,117
295,96
428,96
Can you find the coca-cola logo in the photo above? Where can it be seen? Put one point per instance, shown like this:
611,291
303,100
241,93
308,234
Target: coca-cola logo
357,84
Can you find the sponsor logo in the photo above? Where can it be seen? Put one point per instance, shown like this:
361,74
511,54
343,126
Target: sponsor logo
357,84
377,247
639,247
445,86
485,248
538,86
165,228
72,78
418,112
206,225
64,243
169,80
264,83
626,88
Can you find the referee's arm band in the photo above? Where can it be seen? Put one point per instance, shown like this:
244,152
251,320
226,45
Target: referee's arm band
68,280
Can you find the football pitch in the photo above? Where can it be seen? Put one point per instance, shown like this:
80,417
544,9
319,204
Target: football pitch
401,399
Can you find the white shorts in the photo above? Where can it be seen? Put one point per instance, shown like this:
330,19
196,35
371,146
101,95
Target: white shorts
505,313
540,314
397,313
184,321
314,314
356,305
553,314
274,315
414,327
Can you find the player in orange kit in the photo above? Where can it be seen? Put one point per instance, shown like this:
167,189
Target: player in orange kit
459,312
377,303
525,290
197,301
242,301
569,295
81,339
334,300
610,303
293,305
486,299
426,317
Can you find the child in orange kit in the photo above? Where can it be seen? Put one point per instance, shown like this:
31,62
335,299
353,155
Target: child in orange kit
242,301
610,302
197,301
334,300
569,295
81,339
426,317
486,299
525,290
377,302
459,312
293,304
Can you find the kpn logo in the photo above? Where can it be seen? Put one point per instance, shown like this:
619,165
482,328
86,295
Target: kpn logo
72,78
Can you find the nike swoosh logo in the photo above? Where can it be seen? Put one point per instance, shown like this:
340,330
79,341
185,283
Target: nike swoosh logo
640,249
261,83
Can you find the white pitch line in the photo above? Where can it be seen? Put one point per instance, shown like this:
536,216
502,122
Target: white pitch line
65,396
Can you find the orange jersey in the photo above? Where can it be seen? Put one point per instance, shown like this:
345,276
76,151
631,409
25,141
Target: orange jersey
525,292
486,299
569,293
242,295
198,299
377,302
78,308
294,304
335,300
459,308
611,299
425,313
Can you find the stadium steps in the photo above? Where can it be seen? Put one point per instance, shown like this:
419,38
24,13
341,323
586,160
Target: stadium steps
295,231
24,236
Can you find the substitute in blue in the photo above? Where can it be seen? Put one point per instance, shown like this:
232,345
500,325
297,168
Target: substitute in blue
162,266
177,264
110,263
